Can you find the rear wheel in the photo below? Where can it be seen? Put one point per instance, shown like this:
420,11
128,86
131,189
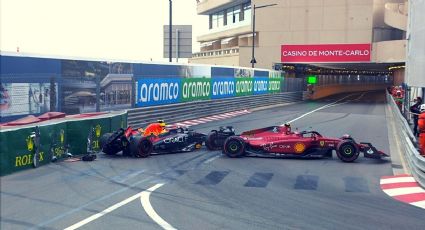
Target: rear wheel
108,148
211,141
140,147
234,146
347,151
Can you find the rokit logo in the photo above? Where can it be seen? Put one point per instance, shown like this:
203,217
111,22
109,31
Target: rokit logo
158,91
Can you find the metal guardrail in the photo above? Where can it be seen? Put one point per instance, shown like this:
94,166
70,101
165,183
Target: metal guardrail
172,113
415,160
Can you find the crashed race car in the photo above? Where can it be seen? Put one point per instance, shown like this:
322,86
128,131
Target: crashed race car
281,141
142,143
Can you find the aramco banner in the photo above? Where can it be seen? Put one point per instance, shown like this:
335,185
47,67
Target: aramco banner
160,91
326,53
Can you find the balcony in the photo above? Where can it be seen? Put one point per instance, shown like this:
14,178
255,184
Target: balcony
217,53
389,51
225,32
396,15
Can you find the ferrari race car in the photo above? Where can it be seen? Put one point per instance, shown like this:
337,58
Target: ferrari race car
280,141
135,143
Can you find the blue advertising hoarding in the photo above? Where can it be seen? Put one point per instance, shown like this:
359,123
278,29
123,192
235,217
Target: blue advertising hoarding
158,91
261,85
222,87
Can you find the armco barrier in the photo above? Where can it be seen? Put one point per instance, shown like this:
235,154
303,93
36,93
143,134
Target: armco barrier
56,136
140,117
415,160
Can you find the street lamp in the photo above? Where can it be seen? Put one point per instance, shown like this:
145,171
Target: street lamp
253,61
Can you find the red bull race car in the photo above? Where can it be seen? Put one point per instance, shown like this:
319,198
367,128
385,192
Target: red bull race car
281,141
142,143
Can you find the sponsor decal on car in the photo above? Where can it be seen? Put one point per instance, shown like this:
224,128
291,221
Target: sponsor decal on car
299,147
268,146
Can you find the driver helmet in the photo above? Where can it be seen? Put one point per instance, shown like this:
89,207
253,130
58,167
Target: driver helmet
161,122
422,108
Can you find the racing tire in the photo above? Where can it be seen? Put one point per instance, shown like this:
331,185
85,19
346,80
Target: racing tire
140,147
347,151
211,141
103,140
107,148
36,158
234,146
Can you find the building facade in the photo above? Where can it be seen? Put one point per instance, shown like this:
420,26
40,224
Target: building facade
381,24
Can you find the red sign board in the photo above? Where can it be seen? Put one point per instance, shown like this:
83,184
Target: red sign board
325,53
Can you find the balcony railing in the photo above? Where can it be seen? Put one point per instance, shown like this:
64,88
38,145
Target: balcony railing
215,53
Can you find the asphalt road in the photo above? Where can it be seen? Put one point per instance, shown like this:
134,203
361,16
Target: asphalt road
205,190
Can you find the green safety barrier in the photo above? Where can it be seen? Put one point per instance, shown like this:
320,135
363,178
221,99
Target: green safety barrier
56,138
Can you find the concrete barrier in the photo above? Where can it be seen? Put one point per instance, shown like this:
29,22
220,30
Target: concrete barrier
328,90
56,138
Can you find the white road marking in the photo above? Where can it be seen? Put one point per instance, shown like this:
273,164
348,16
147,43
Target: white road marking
403,191
212,159
199,121
213,118
205,119
397,180
420,204
104,212
320,108
189,123
144,199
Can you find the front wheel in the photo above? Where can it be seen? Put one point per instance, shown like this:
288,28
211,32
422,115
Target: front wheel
36,159
347,151
140,147
234,146
104,139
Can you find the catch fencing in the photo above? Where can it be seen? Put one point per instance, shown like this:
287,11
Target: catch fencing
415,160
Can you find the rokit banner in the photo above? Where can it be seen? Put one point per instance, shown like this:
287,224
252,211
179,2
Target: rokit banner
326,53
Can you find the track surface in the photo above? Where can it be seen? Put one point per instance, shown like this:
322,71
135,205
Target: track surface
205,190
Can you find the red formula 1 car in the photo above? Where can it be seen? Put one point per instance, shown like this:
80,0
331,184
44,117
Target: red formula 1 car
280,141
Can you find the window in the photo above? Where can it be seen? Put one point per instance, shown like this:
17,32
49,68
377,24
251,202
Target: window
225,17
247,11
230,16
214,21
220,19
236,14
